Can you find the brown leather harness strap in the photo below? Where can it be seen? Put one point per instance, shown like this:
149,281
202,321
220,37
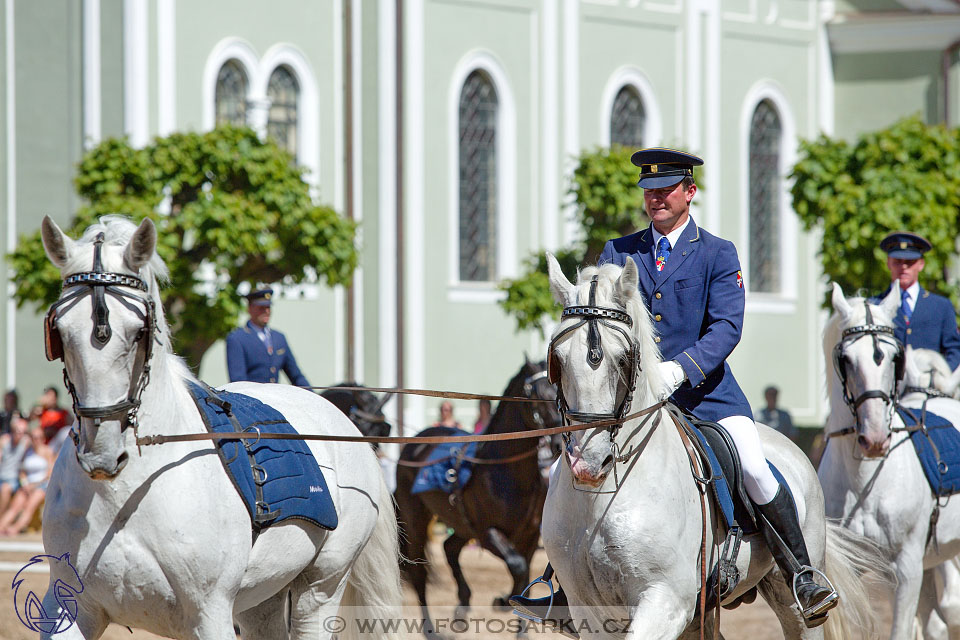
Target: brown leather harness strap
489,437
470,459
697,467
453,395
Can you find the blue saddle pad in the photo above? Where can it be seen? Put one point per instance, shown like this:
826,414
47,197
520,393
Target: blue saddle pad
721,487
448,473
284,472
940,437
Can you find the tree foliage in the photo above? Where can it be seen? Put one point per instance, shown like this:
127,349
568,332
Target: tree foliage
608,205
229,208
905,177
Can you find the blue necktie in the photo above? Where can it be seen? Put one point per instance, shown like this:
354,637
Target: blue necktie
268,343
663,252
905,305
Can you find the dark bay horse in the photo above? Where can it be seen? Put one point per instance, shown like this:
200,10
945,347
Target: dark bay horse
363,408
501,504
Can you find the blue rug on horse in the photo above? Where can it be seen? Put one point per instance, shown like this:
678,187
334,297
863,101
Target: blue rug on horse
449,472
938,447
282,475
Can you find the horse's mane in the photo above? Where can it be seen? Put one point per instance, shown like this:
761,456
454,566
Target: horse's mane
117,231
643,329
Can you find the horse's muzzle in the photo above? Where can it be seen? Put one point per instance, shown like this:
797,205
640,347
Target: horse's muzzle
874,448
98,471
587,474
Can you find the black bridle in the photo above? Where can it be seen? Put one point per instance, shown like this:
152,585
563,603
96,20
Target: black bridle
99,283
878,333
593,316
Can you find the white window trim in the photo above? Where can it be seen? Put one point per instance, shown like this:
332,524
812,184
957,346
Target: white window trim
506,179
632,77
308,103
228,49
785,301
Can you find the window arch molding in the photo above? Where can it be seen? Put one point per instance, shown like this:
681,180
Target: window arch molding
632,77
237,50
506,150
783,301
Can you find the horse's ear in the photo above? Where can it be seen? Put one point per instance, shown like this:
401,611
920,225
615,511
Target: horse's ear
56,243
911,371
891,302
953,381
526,358
840,303
629,279
561,288
141,246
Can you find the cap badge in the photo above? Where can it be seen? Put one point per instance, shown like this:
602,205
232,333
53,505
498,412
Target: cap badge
653,168
903,245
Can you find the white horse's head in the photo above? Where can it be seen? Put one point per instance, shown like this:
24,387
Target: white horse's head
104,326
928,369
594,359
867,364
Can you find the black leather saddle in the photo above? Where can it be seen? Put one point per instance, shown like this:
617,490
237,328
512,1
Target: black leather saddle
726,453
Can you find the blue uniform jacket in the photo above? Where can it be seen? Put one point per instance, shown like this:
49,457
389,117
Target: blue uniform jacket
697,306
247,357
933,325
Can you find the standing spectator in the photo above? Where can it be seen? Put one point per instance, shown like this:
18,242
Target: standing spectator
774,417
49,414
11,409
446,416
483,416
13,448
257,353
35,470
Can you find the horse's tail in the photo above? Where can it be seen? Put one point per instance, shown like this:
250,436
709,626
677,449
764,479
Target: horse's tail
849,559
373,595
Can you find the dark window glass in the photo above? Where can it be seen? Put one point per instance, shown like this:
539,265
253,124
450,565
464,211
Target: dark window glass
765,142
627,119
231,94
478,179
283,92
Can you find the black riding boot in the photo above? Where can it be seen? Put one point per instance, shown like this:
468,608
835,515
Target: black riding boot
814,600
550,610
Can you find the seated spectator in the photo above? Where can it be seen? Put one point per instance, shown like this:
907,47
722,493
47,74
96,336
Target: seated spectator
483,416
774,417
13,448
11,409
35,474
50,415
446,416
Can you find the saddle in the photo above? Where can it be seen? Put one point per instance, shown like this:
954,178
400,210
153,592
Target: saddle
723,469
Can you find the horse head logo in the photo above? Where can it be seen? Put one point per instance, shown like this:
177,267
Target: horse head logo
66,588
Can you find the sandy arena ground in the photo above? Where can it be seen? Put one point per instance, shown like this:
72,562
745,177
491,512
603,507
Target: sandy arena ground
488,578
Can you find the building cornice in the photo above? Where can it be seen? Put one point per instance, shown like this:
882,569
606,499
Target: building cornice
892,31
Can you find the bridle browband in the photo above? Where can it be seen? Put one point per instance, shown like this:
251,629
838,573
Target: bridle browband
878,333
99,283
593,316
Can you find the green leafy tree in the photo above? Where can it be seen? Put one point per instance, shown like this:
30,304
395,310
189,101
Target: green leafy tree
905,177
229,208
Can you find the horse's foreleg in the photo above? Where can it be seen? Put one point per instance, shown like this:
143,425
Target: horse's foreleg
89,625
452,547
497,542
909,572
660,615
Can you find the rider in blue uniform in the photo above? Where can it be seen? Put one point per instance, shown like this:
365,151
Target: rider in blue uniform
692,283
257,353
925,320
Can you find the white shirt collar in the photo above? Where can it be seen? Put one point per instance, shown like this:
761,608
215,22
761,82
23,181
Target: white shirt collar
672,237
913,291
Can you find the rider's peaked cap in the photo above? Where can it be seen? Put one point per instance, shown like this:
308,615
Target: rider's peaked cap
660,167
260,297
905,245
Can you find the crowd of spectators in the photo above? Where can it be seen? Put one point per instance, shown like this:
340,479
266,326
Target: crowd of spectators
29,444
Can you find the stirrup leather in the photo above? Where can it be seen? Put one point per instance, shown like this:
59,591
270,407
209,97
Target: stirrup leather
820,609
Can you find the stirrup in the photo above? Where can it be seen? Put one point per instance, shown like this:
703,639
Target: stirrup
816,613
526,614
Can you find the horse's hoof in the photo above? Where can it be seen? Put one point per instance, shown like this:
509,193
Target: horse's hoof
461,612
500,603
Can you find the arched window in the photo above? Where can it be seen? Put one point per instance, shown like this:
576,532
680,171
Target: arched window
283,92
231,94
765,142
478,179
627,119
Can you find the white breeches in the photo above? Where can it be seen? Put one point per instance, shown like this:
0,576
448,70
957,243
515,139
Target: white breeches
760,482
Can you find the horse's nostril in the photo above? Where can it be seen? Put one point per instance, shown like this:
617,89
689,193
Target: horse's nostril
607,461
862,441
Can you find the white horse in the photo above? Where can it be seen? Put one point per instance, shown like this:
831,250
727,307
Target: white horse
871,476
928,374
160,537
626,545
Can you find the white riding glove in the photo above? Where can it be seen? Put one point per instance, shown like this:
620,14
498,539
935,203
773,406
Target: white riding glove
673,376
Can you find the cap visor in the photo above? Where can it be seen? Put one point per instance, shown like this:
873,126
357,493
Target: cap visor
261,303
905,254
659,182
